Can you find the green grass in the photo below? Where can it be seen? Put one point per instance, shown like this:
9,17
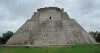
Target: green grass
73,49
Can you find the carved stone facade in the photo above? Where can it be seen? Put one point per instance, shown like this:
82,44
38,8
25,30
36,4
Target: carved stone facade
50,26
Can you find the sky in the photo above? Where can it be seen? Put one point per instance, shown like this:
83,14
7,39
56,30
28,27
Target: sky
14,13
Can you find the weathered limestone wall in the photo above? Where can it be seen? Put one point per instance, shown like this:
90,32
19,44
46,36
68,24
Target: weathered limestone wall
75,34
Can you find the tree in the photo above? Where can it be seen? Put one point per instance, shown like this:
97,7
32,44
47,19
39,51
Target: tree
1,40
96,35
6,36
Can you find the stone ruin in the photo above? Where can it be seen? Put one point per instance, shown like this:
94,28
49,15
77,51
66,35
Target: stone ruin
50,26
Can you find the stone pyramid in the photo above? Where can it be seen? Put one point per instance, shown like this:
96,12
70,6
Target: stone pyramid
50,26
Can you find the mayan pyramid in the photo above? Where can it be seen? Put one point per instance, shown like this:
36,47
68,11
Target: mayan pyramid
50,26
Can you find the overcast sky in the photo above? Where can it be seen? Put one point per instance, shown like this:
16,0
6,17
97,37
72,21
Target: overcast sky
13,13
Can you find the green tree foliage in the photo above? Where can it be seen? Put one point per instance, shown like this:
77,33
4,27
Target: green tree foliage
5,37
96,35
1,40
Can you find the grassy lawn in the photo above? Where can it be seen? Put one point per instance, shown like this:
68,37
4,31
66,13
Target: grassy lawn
72,49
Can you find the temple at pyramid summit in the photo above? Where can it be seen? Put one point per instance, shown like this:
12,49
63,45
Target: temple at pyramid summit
50,26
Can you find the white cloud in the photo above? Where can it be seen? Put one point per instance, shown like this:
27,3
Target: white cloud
46,3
